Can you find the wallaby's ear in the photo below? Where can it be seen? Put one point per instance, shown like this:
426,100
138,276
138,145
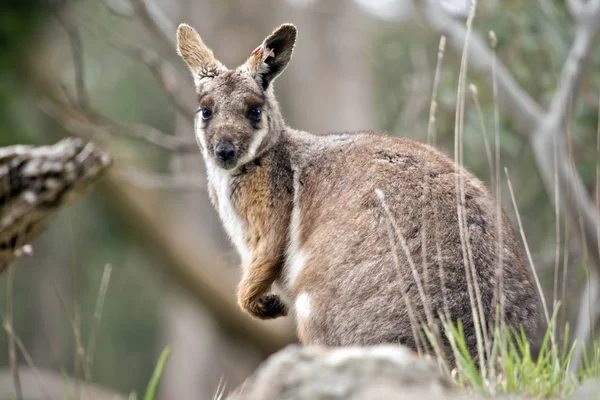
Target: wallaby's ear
269,59
196,54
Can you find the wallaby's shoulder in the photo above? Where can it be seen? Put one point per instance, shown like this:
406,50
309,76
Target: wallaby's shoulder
357,150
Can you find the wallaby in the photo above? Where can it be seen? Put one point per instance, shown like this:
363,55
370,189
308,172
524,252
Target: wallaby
358,231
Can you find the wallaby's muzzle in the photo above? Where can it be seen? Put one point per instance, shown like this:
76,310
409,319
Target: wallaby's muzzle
225,154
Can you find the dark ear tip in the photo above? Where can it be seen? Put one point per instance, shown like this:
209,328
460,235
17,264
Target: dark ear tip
287,29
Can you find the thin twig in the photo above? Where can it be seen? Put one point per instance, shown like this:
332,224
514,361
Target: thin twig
74,36
158,24
163,72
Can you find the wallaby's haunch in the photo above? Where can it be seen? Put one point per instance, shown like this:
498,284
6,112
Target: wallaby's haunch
305,214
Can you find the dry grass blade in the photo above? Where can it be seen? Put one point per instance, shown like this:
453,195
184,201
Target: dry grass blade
529,258
598,173
431,133
79,348
406,250
470,273
12,351
97,315
415,323
499,297
486,141
9,330
556,236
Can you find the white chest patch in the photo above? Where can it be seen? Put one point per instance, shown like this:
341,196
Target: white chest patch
234,226
219,179
302,306
296,257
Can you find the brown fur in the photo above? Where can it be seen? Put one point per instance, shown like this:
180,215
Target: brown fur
265,218
289,193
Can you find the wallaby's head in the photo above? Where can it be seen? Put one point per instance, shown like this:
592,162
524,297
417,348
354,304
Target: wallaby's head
237,117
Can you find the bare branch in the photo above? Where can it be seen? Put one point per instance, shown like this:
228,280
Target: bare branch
575,8
76,122
541,127
120,8
162,70
588,310
191,261
75,41
524,110
545,129
40,383
158,24
165,182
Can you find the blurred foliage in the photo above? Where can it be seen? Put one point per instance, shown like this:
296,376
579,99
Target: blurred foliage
533,38
70,256
19,23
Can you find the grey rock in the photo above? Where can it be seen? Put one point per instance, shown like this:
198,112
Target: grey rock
590,389
374,373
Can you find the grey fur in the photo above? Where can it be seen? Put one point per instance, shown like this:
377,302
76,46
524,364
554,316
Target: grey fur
358,295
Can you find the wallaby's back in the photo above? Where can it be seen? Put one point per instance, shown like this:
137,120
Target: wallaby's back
353,279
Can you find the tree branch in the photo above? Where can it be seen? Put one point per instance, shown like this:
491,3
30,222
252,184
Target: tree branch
575,8
189,260
523,109
163,71
84,128
158,24
588,312
35,182
545,129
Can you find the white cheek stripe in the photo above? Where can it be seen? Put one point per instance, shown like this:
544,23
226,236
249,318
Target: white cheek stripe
200,137
254,145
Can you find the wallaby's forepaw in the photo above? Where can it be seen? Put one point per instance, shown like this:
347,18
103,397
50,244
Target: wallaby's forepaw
269,306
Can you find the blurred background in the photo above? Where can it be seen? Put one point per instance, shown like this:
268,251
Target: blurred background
107,70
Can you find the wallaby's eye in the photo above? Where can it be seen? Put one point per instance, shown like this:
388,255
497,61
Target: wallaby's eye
255,114
206,112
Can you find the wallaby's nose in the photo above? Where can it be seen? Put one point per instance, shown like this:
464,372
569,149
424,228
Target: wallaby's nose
225,151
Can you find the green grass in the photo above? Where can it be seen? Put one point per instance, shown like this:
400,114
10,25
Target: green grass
156,376
512,368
